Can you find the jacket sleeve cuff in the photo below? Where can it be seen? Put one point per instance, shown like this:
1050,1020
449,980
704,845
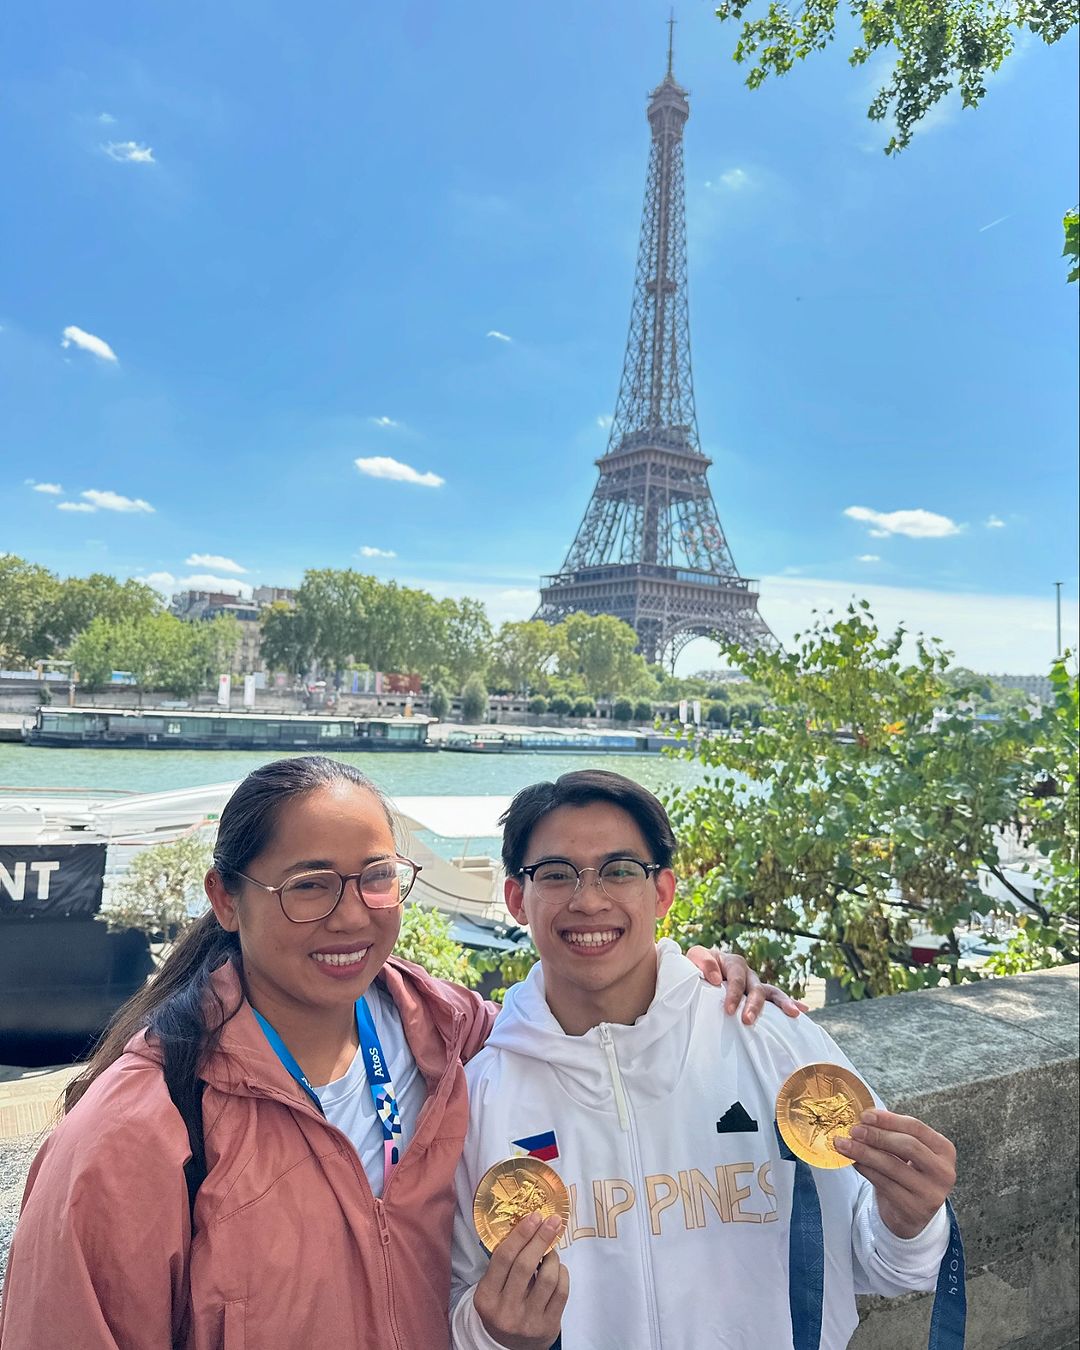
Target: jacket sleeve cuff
467,1332
917,1255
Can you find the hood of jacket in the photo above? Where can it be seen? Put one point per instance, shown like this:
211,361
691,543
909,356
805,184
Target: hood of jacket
526,1026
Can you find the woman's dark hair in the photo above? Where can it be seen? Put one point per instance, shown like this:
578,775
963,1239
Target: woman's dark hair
580,789
178,1007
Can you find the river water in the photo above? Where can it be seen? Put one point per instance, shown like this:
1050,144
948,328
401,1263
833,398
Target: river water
445,774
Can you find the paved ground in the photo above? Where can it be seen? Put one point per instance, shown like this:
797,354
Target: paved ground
28,1107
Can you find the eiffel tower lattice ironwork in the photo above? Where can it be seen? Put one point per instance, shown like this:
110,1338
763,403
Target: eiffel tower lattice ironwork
651,549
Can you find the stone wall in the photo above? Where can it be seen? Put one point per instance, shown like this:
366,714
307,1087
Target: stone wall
993,1066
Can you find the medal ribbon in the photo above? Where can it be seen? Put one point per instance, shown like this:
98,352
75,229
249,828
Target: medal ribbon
806,1269
378,1077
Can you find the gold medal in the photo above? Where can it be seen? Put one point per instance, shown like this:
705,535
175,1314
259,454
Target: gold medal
510,1190
816,1105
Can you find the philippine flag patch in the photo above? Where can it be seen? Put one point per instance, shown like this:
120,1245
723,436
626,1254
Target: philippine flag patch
543,1146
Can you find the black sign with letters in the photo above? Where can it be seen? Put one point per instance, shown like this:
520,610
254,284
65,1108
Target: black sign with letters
51,881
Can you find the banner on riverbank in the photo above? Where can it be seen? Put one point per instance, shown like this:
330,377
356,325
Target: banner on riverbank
51,881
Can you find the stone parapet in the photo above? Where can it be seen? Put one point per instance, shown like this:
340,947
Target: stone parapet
993,1065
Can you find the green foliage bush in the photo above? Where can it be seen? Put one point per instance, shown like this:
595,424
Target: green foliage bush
623,710
162,891
584,707
426,940
643,711
538,705
439,703
867,806
474,700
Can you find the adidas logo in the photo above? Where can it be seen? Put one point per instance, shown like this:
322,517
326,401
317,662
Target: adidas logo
736,1120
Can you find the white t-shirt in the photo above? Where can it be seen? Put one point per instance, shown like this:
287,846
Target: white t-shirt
347,1103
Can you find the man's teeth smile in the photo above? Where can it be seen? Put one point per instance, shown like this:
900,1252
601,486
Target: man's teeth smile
597,939
340,958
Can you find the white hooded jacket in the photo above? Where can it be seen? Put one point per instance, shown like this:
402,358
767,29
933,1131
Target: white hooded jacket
680,1203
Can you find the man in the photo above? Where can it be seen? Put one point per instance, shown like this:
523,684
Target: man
657,1112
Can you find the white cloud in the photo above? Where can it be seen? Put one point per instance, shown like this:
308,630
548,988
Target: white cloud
385,422
113,501
868,558
205,581
106,119
997,634
88,342
75,506
501,337
994,523
916,523
164,582
213,560
382,466
732,180
53,489
503,603
604,422
129,152
368,551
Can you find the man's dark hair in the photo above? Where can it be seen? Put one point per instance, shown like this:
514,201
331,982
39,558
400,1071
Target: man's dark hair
580,789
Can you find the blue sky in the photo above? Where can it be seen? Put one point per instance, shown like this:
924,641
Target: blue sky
247,245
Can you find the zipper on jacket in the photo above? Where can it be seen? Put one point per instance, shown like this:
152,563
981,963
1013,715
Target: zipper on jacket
616,1077
626,1121
384,1242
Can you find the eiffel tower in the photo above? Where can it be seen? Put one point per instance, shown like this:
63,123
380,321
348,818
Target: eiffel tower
651,549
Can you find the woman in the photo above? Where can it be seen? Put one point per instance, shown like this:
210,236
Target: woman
321,1213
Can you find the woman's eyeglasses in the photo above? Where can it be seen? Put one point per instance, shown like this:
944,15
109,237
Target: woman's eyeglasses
310,896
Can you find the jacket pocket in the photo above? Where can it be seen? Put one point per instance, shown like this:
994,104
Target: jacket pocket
235,1328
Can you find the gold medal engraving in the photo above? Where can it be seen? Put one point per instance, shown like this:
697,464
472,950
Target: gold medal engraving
512,1189
816,1105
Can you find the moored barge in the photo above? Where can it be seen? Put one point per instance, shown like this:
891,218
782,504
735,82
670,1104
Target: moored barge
209,729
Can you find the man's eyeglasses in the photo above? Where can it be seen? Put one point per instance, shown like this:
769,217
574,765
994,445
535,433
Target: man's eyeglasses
556,880
310,896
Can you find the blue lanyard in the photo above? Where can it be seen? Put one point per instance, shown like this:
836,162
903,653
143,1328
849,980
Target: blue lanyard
378,1077
806,1269
382,1089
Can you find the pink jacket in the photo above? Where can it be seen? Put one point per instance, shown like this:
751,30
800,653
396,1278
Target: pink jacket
291,1250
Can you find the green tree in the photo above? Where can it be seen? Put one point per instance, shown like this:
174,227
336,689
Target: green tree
600,649
560,705
643,712
466,640
426,940
286,642
474,700
863,808
623,710
162,892
584,707
933,48
538,705
83,599
333,610
1050,822
1072,242
524,653
159,650
718,714
439,704
28,596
